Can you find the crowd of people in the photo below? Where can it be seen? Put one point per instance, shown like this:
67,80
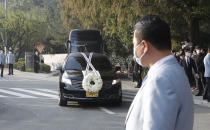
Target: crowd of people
192,60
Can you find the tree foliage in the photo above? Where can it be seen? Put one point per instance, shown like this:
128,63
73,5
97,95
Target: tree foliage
31,22
115,18
24,26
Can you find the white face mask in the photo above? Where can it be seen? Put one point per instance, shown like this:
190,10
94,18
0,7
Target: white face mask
198,51
188,54
138,60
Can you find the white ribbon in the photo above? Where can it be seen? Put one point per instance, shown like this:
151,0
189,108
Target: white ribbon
89,64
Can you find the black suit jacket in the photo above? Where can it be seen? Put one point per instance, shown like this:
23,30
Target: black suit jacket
137,70
199,63
36,59
189,67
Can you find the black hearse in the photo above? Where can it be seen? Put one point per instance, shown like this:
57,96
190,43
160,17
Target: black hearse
70,80
71,76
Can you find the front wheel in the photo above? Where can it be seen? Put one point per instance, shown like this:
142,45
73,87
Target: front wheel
62,99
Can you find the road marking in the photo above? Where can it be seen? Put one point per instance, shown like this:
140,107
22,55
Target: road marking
48,90
128,96
129,93
36,93
2,79
2,96
19,80
16,94
107,111
128,100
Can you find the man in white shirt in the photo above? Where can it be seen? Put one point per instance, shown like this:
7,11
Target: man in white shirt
2,62
207,75
164,101
10,61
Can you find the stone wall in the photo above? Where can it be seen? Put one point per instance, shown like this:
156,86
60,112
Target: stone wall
54,60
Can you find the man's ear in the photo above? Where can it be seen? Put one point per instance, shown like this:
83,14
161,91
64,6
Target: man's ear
146,45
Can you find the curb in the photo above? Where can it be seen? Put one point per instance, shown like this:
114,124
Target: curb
202,103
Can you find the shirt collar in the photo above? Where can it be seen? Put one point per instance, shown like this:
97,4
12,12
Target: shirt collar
159,63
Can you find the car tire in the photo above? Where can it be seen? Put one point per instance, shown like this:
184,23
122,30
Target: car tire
62,99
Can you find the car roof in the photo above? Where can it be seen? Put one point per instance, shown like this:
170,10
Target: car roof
95,55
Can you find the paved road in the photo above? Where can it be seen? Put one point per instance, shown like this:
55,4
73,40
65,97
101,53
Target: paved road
29,101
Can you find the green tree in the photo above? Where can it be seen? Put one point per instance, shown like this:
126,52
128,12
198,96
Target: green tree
184,16
24,26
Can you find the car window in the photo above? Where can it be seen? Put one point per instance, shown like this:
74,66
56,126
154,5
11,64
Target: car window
81,46
79,63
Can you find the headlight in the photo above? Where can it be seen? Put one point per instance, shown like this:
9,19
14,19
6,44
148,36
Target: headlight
116,81
66,79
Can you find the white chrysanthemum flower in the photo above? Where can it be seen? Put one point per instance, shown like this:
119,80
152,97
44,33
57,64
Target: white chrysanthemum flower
92,82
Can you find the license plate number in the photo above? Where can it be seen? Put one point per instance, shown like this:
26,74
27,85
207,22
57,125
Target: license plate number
91,94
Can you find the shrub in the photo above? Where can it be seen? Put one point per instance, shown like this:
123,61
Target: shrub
44,68
29,70
20,65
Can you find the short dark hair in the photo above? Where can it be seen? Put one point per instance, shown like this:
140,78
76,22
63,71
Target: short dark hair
187,49
154,30
197,47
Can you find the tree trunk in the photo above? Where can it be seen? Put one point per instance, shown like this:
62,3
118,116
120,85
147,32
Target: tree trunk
194,31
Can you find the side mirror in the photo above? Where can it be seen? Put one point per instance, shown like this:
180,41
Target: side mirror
68,46
59,68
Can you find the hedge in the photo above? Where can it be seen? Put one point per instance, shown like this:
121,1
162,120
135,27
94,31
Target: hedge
44,68
20,65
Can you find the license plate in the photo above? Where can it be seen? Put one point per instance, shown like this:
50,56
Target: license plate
91,94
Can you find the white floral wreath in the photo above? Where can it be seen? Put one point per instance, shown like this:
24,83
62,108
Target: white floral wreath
92,81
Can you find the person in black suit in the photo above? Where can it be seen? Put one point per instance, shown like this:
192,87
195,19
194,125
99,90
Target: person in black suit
36,62
137,70
189,65
200,68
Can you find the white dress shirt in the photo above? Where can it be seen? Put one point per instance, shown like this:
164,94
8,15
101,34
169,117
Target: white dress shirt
164,101
2,59
207,65
10,58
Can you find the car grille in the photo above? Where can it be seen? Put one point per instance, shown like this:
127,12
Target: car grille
78,84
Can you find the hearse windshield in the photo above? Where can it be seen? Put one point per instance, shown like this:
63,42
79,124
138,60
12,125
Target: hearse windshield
79,63
81,46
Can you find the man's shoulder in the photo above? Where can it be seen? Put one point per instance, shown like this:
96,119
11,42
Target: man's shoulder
207,58
169,69
169,73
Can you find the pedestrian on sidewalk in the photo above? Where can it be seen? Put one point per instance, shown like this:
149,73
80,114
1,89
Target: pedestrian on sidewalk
207,75
189,66
164,101
2,62
137,70
199,57
10,61
36,62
